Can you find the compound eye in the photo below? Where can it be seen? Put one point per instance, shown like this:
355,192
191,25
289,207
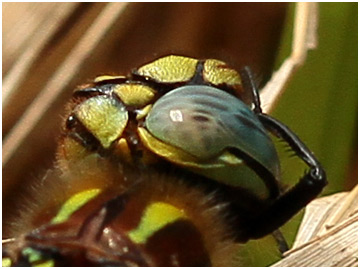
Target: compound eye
203,121
187,118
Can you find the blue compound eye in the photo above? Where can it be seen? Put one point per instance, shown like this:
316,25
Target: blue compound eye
204,121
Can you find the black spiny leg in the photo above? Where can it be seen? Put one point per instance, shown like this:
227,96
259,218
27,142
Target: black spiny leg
308,187
249,84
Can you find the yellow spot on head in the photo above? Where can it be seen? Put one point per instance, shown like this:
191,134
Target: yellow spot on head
134,94
107,77
142,113
156,216
217,72
170,69
74,203
104,117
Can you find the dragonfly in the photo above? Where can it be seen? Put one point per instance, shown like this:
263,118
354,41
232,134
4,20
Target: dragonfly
171,165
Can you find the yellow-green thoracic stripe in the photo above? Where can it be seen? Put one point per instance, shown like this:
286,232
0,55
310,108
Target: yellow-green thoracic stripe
156,216
74,203
36,258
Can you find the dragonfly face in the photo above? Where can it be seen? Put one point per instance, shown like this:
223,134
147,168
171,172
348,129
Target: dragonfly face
169,166
178,109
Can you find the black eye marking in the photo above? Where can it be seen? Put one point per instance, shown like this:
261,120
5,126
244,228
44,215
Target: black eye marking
210,103
200,118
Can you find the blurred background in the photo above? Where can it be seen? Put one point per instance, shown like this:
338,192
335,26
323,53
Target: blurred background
50,48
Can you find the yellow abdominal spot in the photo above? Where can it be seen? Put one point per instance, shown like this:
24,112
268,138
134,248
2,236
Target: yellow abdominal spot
156,216
74,203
